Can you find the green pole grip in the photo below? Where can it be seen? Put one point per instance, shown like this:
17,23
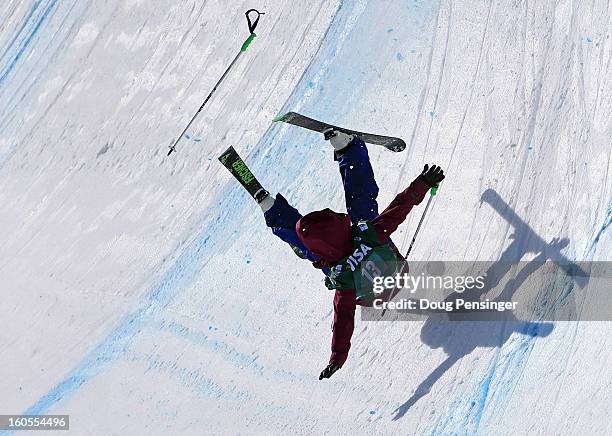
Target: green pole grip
248,42
434,190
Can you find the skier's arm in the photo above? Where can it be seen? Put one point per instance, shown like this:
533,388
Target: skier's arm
388,221
395,214
344,322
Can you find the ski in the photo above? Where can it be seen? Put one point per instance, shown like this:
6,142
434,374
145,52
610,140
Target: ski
234,163
389,142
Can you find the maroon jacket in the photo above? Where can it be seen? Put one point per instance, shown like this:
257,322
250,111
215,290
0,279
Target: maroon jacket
327,234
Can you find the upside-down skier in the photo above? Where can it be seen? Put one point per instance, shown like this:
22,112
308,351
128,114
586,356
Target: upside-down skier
340,244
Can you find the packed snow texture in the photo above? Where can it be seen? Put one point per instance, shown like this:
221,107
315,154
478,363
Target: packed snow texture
144,294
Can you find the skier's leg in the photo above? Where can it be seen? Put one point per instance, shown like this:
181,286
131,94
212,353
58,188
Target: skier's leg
360,188
281,217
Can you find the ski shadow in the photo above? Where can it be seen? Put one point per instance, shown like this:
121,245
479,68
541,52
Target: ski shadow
460,338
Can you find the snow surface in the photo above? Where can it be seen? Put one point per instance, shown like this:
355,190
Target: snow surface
144,294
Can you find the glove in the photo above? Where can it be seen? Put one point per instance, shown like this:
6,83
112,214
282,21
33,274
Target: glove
329,371
432,176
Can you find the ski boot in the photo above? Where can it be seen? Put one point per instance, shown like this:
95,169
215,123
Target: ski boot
339,140
264,199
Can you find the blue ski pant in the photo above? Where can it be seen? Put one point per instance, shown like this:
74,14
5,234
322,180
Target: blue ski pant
360,192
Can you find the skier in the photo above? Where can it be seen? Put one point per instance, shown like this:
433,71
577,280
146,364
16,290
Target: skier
341,244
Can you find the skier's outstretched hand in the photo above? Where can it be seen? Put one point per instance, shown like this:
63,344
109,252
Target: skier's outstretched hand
329,371
432,176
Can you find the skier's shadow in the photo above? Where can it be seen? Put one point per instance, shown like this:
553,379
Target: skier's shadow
460,338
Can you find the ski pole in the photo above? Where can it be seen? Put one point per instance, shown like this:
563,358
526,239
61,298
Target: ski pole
433,192
252,25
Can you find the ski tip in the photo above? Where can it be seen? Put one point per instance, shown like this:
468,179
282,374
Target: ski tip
399,145
288,117
226,154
